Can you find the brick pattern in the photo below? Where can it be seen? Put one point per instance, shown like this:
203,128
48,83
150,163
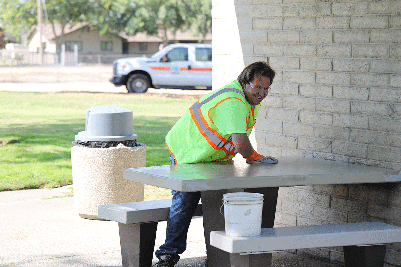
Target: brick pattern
316,205
336,95
338,67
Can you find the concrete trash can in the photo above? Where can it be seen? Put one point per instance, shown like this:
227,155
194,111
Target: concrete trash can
99,156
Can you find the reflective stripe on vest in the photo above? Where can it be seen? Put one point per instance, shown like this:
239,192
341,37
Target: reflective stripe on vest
212,136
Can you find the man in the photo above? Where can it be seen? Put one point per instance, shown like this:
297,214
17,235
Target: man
214,129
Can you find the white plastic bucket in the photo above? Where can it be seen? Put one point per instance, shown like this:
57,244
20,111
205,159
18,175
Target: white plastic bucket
243,213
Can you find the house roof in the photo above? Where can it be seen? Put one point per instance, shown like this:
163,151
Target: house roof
48,33
143,37
47,30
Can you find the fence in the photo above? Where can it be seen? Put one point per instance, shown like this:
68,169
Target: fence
21,57
99,59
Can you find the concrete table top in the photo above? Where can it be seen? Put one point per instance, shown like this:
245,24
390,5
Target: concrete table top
290,171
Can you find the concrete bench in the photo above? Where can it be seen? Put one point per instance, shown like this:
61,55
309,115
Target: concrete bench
137,223
363,242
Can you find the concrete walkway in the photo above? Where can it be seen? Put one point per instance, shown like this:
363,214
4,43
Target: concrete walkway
39,227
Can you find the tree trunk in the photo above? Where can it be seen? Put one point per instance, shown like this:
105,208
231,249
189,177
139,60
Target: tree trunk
165,38
57,39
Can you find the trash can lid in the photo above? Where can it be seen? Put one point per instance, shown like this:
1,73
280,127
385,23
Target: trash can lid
108,123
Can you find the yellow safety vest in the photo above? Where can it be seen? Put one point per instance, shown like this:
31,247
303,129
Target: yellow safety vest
195,137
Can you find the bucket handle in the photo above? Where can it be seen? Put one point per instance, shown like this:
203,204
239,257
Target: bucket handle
220,209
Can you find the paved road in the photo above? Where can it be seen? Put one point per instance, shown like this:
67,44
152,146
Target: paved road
68,79
104,87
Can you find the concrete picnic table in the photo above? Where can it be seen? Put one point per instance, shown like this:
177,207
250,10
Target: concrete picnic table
216,179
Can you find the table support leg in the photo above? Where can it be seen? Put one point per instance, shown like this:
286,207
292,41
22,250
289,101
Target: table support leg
213,220
252,260
137,243
366,256
269,204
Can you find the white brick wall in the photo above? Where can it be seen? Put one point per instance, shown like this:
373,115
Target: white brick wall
336,95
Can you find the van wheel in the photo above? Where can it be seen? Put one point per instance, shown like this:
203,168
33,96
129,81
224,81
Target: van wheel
138,83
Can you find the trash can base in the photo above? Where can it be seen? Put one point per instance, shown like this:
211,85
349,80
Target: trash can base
98,177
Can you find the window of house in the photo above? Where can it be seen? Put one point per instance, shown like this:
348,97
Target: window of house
69,46
107,46
203,54
38,48
178,54
143,46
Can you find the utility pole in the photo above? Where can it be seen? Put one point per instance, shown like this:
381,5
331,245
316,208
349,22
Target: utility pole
40,32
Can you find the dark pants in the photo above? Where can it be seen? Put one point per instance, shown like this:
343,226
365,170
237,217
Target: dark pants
181,211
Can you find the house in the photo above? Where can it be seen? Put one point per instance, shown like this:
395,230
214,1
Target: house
90,42
141,43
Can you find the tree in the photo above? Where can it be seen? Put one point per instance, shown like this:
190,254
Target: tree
111,16
66,12
152,15
18,15
197,16
2,38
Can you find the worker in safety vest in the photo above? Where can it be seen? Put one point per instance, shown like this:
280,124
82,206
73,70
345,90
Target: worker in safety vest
215,128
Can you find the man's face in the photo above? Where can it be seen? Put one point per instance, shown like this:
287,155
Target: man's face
257,90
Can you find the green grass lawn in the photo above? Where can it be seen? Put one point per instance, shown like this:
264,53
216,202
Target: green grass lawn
36,131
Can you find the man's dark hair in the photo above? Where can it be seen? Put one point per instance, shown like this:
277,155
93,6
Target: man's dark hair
259,68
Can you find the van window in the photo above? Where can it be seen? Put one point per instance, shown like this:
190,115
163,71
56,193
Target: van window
178,54
203,54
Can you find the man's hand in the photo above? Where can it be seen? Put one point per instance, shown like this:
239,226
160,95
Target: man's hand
255,156
243,146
